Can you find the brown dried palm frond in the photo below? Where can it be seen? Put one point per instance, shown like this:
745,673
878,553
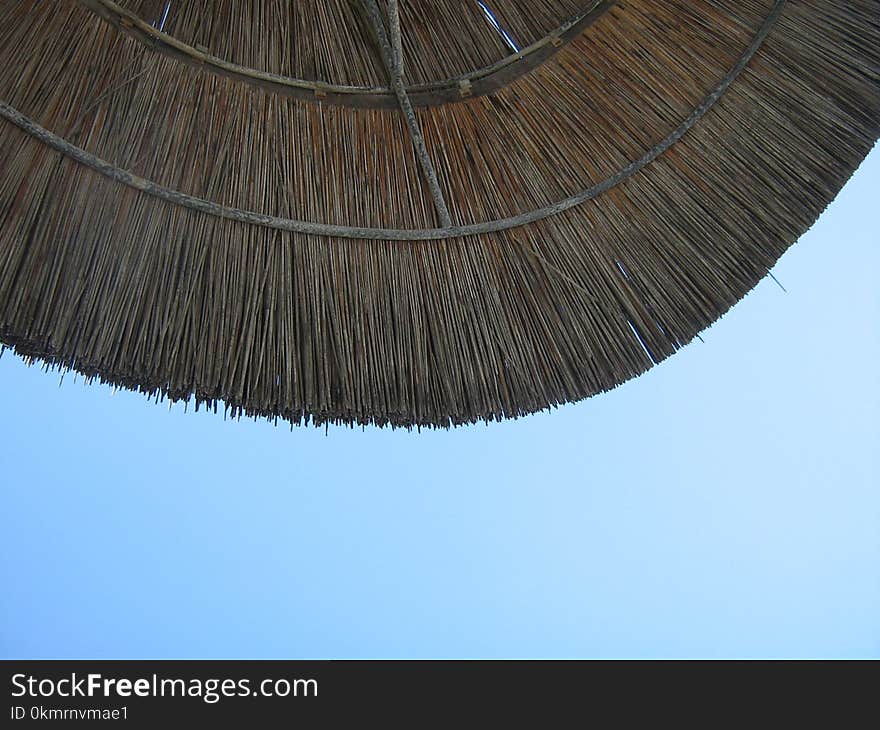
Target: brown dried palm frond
223,199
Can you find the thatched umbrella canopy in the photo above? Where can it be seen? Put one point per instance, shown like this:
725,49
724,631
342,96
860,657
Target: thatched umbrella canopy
429,214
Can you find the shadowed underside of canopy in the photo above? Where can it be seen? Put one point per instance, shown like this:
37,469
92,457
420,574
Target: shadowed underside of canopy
424,215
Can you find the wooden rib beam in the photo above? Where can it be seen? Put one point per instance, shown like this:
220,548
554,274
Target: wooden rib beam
396,40
392,57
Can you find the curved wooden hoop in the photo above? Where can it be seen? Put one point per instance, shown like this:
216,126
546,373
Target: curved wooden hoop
80,155
476,83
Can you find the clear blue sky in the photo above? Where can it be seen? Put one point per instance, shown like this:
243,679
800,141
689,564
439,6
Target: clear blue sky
725,504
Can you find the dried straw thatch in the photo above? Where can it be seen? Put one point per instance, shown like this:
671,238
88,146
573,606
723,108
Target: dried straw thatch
451,211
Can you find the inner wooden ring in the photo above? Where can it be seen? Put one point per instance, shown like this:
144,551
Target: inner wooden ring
476,83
